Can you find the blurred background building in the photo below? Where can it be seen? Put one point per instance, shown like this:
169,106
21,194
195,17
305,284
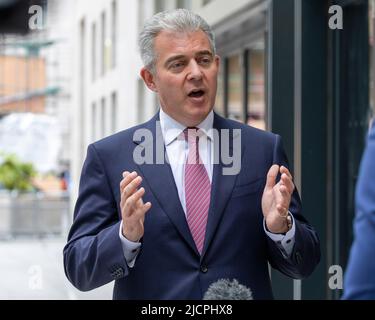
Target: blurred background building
282,69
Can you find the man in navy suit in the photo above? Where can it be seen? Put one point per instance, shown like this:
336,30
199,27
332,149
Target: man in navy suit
360,273
168,229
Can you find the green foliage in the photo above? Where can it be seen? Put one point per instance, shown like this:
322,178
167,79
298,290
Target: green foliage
15,174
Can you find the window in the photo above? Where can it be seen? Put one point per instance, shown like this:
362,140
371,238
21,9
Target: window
93,122
141,101
184,4
103,44
159,5
102,119
219,103
114,34
256,104
241,89
82,85
93,51
141,14
114,112
235,109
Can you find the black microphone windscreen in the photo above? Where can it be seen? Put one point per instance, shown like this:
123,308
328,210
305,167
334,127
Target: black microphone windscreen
224,289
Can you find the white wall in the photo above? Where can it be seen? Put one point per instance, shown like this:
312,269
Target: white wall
123,79
59,60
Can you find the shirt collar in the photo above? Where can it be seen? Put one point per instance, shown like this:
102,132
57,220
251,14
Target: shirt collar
171,128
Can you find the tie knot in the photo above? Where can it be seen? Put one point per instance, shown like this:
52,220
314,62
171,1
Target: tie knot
191,134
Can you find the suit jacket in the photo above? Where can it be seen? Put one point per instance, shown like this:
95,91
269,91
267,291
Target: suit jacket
360,273
169,265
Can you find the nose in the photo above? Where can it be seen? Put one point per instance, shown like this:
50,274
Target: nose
195,72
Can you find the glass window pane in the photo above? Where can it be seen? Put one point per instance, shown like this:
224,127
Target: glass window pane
159,5
234,88
102,119
114,34
256,106
184,4
103,43
114,112
219,103
93,52
141,101
94,134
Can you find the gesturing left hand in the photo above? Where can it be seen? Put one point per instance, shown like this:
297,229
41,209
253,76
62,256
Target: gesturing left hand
276,199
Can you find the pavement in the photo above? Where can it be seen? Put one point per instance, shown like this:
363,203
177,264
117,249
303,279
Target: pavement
32,269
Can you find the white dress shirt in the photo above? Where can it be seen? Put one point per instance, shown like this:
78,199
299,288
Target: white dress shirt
177,152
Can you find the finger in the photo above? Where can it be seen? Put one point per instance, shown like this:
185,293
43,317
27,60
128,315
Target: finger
127,179
147,206
141,212
131,187
130,206
287,182
285,193
129,190
271,176
123,180
286,171
125,173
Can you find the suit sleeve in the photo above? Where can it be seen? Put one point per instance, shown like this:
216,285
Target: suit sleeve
306,252
93,255
359,275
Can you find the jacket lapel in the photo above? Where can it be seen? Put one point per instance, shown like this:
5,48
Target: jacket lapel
161,181
222,185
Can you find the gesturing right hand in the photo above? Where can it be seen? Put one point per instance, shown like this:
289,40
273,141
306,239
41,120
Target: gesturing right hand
133,209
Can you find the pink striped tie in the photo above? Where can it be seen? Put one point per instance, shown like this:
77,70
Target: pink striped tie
197,190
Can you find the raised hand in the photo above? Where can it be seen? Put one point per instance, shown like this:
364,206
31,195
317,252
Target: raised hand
276,199
133,209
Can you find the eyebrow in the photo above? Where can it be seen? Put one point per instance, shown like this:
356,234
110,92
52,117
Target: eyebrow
200,53
171,59
204,52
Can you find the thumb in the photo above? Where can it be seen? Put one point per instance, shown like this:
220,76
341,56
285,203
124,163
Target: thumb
271,176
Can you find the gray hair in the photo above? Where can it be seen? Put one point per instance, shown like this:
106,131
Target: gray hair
179,20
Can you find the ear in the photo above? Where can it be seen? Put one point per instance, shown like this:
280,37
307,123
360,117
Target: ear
148,79
217,61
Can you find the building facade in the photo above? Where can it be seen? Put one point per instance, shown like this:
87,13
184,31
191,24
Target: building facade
35,68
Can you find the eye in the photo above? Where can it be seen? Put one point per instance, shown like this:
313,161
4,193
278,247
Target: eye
176,65
205,61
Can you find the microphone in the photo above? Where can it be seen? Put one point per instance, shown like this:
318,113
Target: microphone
224,289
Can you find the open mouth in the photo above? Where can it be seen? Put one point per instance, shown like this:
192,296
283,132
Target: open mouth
196,93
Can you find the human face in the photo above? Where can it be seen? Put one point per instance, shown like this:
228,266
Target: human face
185,77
